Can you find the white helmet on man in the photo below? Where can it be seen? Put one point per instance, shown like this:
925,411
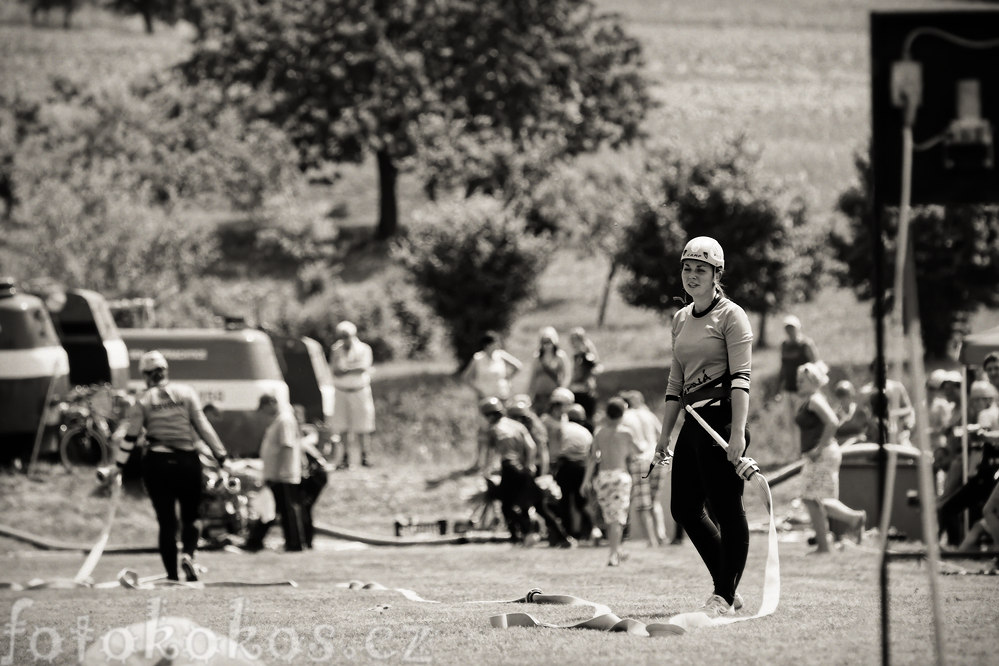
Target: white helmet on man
152,360
706,249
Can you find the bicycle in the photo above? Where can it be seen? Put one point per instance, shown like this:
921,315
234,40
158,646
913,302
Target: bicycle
89,416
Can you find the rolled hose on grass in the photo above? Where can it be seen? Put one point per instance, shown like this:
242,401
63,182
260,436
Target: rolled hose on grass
47,543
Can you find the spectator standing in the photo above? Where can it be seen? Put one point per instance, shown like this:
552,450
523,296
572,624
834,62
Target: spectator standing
489,373
900,414
173,420
614,447
281,455
491,369
795,350
551,369
991,368
941,410
351,361
646,483
820,475
585,368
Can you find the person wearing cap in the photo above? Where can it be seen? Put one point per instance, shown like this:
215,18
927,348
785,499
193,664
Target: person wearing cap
822,457
854,418
712,343
281,455
615,446
171,416
512,444
796,349
354,410
551,368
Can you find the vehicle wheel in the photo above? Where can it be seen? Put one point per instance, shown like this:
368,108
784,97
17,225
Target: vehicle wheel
83,447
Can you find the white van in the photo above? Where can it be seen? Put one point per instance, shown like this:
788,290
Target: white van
230,369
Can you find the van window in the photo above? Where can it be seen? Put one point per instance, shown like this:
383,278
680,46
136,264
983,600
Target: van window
26,329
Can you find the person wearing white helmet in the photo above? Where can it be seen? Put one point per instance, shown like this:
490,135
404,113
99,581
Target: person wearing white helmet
351,361
170,414
710,371
519,492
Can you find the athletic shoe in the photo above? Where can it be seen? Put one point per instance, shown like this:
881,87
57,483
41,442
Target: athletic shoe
737,601
617,558
716,606
189,567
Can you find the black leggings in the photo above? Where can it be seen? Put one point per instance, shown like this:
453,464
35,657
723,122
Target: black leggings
703,478
172,478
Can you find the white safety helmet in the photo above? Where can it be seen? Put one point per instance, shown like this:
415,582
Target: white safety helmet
152,360
562,396
345,329
706,249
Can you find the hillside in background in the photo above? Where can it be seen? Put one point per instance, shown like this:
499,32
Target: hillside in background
791,76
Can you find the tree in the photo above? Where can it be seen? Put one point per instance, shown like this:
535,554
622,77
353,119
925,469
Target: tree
350,77
104,179
473,264
956,255
773,256
586,206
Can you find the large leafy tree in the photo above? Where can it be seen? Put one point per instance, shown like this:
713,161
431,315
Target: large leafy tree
773,256
103,179
956,256
347,78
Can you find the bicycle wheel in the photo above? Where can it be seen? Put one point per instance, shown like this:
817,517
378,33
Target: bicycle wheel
83,447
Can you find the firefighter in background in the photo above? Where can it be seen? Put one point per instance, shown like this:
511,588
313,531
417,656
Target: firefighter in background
170,414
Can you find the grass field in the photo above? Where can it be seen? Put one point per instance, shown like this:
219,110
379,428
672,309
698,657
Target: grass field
829,612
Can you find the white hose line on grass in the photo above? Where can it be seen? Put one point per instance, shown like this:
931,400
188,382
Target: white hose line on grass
83,575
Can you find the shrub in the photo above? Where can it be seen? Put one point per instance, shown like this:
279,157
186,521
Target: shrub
474,265
773,255
389,317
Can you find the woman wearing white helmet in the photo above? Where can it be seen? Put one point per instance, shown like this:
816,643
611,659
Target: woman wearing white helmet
712,357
